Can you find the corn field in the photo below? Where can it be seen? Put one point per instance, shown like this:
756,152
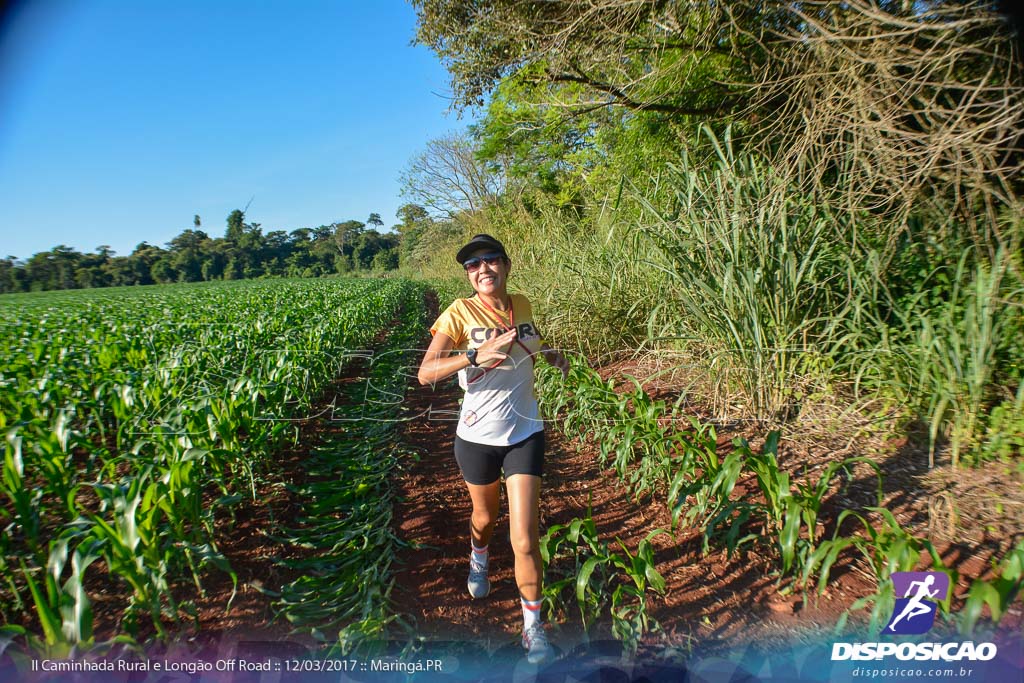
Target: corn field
135,419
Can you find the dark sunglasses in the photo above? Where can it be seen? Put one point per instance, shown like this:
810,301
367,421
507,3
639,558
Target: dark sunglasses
473,264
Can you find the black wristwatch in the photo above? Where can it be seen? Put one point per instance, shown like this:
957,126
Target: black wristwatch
471,357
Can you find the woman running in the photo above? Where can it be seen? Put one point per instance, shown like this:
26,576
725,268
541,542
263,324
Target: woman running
491,341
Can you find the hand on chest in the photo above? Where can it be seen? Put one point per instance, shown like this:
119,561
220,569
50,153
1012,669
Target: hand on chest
525,332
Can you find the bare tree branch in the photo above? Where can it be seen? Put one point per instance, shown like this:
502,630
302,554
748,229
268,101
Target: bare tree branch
448,179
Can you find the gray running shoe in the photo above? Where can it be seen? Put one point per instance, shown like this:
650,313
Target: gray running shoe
478,584
535,642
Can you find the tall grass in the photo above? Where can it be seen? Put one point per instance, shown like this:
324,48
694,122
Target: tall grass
938,334
779,297
775,300
755,273
955,347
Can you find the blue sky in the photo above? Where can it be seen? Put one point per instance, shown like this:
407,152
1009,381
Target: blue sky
122,119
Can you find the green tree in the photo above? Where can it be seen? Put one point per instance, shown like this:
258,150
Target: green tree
345,236
277,249
642,56
120,271
236,226
187,255
11,274
368,245
142,259
414,222
163,272
300,260
384,260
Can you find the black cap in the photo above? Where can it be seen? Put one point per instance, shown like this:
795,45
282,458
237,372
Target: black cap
480,241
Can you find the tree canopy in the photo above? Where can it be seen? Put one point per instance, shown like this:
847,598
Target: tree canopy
193,256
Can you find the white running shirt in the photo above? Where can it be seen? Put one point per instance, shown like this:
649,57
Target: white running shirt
500,406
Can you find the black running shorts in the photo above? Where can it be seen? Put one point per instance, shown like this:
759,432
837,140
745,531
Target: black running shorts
482,464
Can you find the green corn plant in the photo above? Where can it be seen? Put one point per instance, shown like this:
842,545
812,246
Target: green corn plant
646,464
578,539
629,429
600,578
998,594
710,492
133,545
9,610
712,509
630,619
804,507
886,549
790,512
594,403
640,567
590,594
654,472
64,610
25,501
52,448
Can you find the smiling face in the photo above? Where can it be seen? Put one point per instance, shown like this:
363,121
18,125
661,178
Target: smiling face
489,279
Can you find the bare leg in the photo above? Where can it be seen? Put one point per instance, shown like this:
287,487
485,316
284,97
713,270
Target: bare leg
524,513
485,511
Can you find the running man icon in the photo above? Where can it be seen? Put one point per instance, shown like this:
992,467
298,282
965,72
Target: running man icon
918,594
915,606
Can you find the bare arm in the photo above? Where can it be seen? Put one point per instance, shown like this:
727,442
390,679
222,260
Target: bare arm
439,363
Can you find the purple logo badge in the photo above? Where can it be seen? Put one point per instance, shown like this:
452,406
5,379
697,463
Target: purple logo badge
917,598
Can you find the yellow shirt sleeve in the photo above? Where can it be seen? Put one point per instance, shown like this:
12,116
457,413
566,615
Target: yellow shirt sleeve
452,323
